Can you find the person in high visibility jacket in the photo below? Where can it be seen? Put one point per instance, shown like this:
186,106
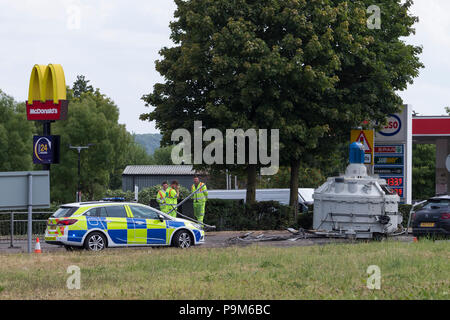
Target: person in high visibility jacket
173,192
199,198
161,198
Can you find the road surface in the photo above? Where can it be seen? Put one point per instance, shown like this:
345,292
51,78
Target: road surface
215,239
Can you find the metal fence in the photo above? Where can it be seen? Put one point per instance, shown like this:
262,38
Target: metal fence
14,225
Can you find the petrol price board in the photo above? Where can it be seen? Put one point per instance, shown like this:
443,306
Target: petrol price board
393,152
390,165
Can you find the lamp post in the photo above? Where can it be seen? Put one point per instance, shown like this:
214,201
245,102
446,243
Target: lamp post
79,148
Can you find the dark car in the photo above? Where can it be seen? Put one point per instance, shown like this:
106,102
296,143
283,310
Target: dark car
433,218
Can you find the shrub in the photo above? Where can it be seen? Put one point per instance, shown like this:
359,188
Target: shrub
404,209
128,195
145,195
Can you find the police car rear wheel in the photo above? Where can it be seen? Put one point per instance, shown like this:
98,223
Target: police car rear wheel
183,239
95,242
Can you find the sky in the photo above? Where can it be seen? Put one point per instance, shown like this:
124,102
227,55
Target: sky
115,43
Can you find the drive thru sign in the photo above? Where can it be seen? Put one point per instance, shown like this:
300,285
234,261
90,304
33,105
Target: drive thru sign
366,138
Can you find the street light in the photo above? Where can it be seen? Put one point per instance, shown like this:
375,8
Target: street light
79,148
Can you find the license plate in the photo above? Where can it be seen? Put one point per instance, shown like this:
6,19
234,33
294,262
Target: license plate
427,224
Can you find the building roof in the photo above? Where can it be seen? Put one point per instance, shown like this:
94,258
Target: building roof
159,170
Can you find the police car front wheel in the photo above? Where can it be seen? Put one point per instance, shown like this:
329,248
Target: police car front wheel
183,239
95,241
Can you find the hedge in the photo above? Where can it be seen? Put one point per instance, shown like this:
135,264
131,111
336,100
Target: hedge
235,215
144,196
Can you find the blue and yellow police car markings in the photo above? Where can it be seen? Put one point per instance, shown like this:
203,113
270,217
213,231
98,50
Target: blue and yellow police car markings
197,235
121,231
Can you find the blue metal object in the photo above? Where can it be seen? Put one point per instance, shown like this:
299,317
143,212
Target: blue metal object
356,153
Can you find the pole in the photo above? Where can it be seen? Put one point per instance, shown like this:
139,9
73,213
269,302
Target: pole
184,200
196,221
79,170
30,210
226,176
46,130
79,148
189,218
12,230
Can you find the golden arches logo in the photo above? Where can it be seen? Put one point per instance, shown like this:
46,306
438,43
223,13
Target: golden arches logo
47,93
47,83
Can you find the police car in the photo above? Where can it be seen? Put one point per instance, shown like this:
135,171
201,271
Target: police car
100,224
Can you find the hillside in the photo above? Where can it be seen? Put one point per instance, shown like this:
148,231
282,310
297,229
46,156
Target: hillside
150,141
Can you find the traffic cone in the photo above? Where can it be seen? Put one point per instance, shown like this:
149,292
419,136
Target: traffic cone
415,239
37,248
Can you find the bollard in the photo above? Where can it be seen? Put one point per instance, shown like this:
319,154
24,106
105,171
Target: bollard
11,245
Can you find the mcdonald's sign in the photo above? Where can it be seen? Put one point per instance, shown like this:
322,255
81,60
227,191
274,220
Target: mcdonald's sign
47,93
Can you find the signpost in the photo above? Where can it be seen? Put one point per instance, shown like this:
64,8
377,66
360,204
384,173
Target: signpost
46,149
46,103
366,138
393,153
25,190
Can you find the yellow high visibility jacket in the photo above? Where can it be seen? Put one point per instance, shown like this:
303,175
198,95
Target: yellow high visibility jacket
171,197
202,194
161,197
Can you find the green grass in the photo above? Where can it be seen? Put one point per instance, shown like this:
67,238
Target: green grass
337,271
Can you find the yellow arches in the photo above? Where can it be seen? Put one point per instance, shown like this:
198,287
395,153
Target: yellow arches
47,83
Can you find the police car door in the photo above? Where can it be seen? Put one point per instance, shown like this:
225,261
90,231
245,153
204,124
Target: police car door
149,229
118,224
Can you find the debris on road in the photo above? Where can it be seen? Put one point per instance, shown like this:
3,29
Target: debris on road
249,237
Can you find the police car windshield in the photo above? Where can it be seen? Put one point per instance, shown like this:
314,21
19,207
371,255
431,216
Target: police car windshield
64,212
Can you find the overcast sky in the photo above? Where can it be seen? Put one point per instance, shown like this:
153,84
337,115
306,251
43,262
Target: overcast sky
115,43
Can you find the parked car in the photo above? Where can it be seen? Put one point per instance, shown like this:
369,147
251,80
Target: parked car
100,224
432,218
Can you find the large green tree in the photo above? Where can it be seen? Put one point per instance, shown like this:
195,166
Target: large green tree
16,135
93,118
312,69
367,66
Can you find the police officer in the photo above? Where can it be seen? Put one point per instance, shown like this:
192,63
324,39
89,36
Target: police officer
199,198
173,192
161,198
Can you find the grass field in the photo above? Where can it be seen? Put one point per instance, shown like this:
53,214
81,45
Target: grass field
408,271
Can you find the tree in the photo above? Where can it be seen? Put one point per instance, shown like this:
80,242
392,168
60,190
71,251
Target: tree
93,118
81,86
16,135
351,75
162,156
424,171
312,69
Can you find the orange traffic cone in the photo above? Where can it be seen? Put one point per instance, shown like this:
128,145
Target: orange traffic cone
415,239
37,248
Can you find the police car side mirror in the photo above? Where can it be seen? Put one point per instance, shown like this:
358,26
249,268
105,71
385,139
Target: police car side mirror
161,217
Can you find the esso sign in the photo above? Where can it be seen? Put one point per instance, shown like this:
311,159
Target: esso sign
392,127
